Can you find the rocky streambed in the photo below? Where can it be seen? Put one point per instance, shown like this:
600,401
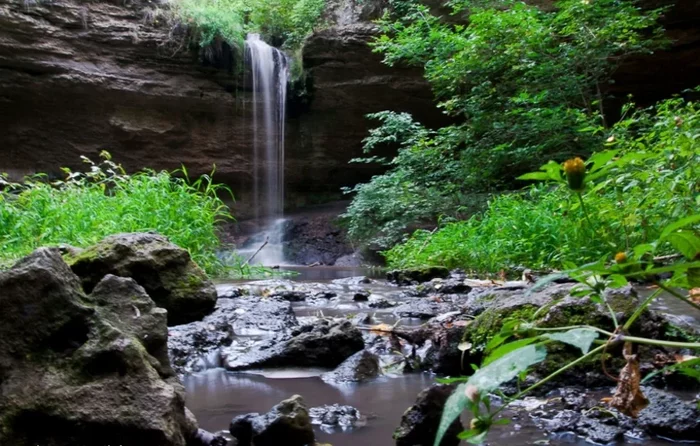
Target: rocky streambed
375,345
95,345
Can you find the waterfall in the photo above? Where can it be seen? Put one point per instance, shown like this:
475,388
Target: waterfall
270,73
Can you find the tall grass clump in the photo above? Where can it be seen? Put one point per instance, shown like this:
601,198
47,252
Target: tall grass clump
86,207
646,177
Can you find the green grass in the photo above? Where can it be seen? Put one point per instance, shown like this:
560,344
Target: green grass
86,207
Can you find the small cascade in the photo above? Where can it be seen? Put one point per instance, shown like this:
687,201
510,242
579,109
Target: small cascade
270,74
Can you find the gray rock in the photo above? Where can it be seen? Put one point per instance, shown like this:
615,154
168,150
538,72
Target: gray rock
164,270
70,361
597,431
419,424
357,280
332,418
361,296
417,275
195,346
323,344
424,308
380,302
291,295
288,423
360,367
668,416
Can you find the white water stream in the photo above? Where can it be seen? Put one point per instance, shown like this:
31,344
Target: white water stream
270,71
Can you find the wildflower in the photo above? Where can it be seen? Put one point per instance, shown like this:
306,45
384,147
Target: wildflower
575,171
620,258
472,393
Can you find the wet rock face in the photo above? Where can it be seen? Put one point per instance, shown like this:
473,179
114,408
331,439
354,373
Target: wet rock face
288,423
126,84
668,416
324,344
420,422
360,367
334,417
195,346
69,360
417,275
164,270
579,410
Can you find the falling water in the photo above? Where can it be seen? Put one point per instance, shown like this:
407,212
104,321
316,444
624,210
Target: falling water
270,70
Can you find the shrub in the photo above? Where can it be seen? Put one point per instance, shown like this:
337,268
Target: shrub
650,179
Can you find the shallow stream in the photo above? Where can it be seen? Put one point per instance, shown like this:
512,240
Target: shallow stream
216,396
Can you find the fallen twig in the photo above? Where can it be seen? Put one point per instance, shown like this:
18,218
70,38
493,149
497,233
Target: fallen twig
267,239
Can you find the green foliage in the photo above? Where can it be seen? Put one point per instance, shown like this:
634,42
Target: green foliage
282,22
513,360
520,82
647,179
419,185
86,207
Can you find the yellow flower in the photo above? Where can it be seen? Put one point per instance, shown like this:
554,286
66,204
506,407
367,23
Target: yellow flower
575,171
620,257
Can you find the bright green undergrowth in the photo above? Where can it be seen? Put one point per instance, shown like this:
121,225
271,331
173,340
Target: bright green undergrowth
86,207
281,22
655,181
519,83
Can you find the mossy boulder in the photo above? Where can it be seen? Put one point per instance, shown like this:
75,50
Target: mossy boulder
84,369
550,307
164,270
288,423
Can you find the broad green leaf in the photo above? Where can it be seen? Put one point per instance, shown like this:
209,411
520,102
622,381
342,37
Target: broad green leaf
683,222
581,338
459,379
600,159
640,250
487,379
507,348
454,406
537,176
617,281
506,368
685,242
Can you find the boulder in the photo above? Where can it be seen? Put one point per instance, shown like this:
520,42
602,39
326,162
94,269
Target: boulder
417,275
324,344
670,417
195,346
164,270
361,296
419,424
360,367
84,369
288,423
334,417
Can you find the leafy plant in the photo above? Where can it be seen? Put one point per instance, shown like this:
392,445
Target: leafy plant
646,179
513,360
280,22
520,83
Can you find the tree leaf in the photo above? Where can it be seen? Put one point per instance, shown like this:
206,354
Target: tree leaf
537,176
683,222
487,379
685,242
581,338
507,348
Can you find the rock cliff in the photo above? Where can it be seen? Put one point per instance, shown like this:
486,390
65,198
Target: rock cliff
77,77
